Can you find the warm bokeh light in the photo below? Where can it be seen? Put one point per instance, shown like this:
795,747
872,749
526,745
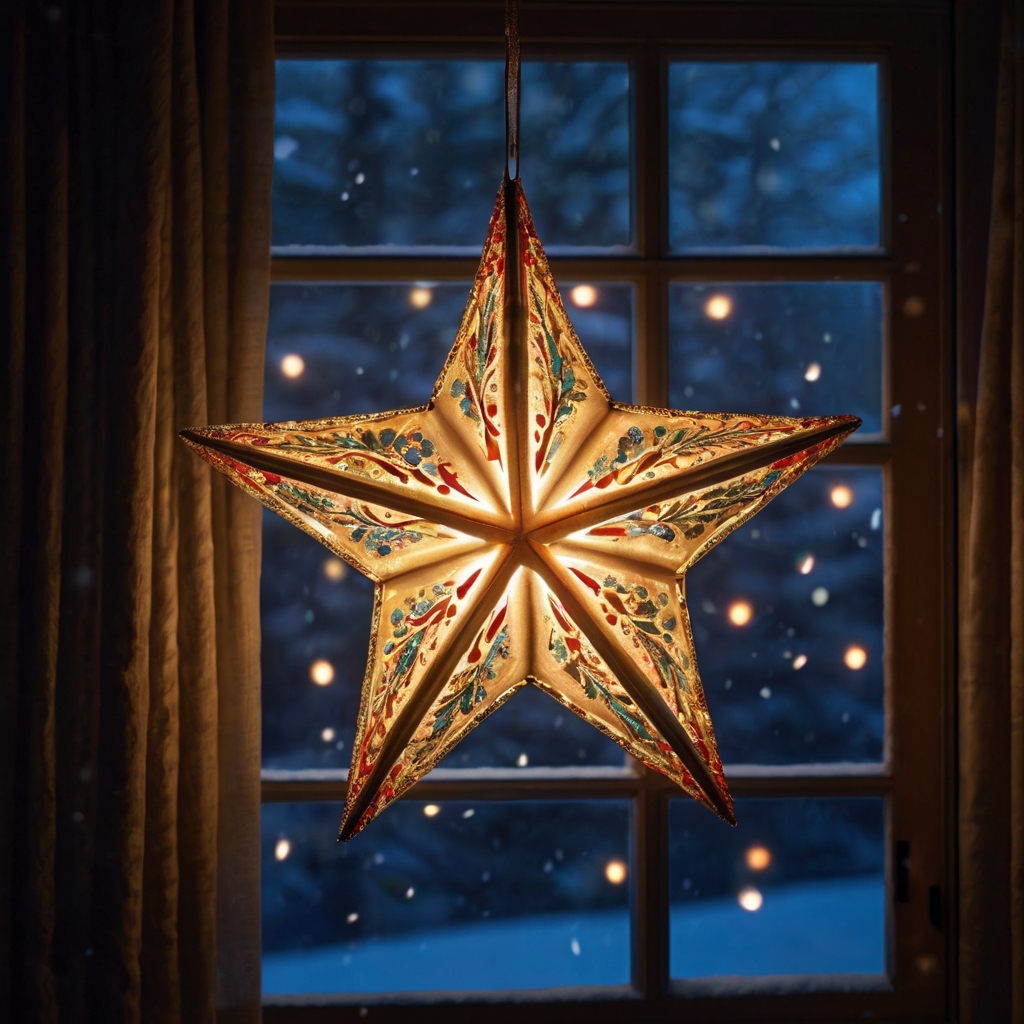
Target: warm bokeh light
718,307
615,872
799,661
431,810
813,371
740,613
421,297
321,672
282,849
352,918
842,496
584,295
327,735
819,597
804,564
855,657
334,569
292,365
750,899
758,858
522,761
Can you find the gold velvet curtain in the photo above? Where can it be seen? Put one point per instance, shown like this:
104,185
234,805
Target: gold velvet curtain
992,595
136,143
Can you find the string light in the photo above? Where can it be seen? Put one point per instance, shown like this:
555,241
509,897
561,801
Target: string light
431,810
282,849
813,371
327,735
799,661
804,564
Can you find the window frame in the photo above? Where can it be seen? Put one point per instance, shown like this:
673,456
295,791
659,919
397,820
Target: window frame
917,776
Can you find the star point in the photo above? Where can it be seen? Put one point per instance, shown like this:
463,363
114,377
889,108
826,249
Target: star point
521,527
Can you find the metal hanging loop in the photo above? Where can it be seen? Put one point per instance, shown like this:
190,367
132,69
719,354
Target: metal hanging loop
512,81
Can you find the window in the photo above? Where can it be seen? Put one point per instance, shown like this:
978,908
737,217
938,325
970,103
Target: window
743,210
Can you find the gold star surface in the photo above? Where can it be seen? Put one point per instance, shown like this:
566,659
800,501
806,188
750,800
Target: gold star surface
522,527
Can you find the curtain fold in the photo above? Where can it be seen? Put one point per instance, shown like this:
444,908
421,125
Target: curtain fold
991,861
134,285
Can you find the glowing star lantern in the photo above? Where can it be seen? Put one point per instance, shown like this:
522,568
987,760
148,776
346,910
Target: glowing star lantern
523,528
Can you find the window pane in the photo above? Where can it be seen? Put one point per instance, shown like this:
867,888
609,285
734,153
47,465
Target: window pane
793,349
361,348
803,680
774,155
368,348
411,153
602,313
446,897
797,887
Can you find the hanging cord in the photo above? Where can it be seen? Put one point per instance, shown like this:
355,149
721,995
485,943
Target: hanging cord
512,78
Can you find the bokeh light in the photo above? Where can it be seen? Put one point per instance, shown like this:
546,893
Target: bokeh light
799,661
740,613
842,496
615,871
334,569
855,658
804,564
750,899
282,849
813,371
758,858
819,597
321,672
584,295
293,365
327,735
718,307
420,297
431,810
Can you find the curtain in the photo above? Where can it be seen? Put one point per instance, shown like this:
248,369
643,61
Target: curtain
991,861
134,283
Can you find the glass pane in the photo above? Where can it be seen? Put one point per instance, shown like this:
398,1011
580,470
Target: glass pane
788,620
798,887
602,313
534,730
446,897
793,349
774,155
361,347
334,349
411,153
